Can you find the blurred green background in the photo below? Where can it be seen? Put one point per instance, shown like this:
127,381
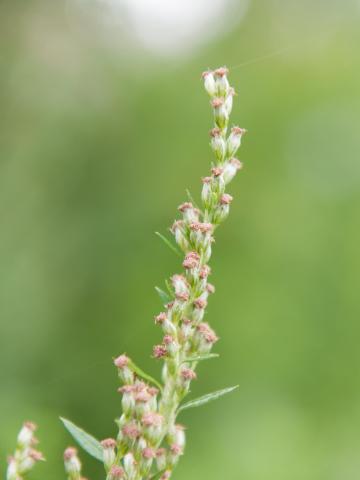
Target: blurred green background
100,135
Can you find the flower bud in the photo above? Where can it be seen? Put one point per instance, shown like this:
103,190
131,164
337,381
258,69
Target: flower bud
12,470
159,351
166,475
199,309
181,287
72,463
221,115
230,169
109,454
206,193
209,83
204,338
229,101
142,402
148,454
161,459
172,347
222,83
218,144
186,329
175,453
116,473
152,423
234,140
28,461
178,230
26,434
190,213
130,432
177,435
191,261
127,401
125,371
129,466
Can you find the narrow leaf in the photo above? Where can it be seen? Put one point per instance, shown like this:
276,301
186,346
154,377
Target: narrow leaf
85,440
168,243
164,297
169,287
198,358
144,375
191,198
197,402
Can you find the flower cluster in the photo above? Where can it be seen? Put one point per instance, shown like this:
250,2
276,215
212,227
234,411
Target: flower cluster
150,441
149,438
25,456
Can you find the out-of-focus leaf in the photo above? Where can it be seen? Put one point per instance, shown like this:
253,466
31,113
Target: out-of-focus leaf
198,358
169,243
197,402
84,439
164,297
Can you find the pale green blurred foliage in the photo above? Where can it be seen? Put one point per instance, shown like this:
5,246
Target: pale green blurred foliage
98,143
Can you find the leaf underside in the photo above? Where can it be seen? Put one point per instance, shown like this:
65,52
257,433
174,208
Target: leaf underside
84,439
209,397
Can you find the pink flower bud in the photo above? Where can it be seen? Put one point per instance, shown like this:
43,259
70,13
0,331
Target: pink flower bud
222,83
166,475
109,455
148,453
26,434
234,140
71,461
200,303
205,271
188,374
207,333
152,419
217,102
159,351
131,431
191,260
161,458
159,319
218,144
178,231
210,288
209,83
226,199
230,169
108,443
116,473
216,171
121,361
221,71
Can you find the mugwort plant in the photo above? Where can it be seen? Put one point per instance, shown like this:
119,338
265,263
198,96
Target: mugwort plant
150,441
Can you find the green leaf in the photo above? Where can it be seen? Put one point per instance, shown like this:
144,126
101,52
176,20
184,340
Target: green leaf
191,198
198,358
144,375
197,402
85,440
164,297
169,243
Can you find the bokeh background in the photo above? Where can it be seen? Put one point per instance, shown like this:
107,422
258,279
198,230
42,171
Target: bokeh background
103,124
